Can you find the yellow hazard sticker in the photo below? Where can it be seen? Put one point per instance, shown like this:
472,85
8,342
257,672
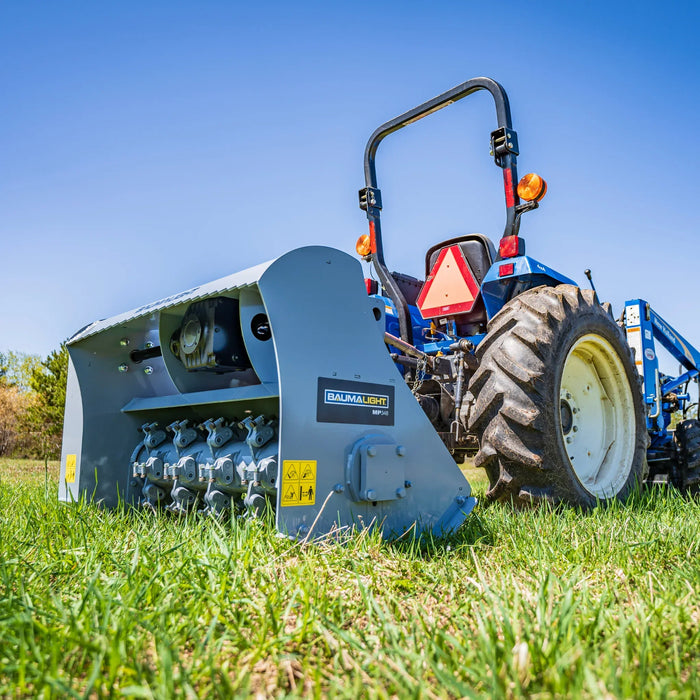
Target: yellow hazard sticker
298,483
71,462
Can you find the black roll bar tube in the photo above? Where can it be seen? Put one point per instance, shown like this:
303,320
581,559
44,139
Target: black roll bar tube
504,148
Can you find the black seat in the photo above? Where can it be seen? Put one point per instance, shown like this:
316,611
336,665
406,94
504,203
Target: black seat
480,254
477,248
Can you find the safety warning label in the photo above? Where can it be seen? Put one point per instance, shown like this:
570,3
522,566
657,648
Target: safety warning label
71,462
298,483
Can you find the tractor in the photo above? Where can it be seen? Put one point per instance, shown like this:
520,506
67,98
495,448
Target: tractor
214,399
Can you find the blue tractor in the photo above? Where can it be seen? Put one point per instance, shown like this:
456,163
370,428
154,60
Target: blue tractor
517,366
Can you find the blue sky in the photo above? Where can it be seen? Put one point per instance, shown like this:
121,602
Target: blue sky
146,147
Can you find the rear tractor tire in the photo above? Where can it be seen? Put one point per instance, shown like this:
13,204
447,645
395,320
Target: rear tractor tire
556,402
687,439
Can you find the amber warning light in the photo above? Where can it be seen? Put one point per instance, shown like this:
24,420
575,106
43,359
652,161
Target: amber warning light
532,187
363,245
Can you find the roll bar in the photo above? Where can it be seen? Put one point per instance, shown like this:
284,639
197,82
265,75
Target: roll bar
504,148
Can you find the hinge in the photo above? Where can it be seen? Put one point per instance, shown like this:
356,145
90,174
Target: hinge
370,198
503,142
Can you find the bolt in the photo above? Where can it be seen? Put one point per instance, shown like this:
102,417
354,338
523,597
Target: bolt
400,450
575,428
568,395
149,345
574,410
569,439
400,492
460,500
510,145
371,495
123,367
124,342
371,451
148,370
339,488
407,484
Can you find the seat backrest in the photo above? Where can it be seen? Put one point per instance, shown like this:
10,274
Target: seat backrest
480,253
477,249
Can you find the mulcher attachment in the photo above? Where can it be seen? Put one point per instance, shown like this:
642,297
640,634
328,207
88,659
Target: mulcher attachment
270,388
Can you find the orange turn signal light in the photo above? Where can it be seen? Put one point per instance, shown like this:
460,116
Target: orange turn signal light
363,245
532,187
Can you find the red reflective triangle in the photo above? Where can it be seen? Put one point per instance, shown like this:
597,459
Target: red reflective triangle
450,288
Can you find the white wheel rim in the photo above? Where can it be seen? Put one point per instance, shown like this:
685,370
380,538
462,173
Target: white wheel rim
597,417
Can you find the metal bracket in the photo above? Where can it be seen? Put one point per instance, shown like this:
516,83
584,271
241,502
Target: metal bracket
503,142
370,198
375,469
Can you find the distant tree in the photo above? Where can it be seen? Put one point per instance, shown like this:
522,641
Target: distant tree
3,369
17,368
45,417
14,408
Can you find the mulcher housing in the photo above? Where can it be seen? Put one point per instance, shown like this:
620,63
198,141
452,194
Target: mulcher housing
214,400
329,436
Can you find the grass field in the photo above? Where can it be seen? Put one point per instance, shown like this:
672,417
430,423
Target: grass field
98,603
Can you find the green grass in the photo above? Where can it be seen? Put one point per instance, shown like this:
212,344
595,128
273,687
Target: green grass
97,603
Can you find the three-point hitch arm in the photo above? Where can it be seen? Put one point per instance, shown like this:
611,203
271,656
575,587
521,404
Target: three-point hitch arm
504,148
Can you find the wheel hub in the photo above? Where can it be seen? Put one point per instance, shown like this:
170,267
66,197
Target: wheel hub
568,411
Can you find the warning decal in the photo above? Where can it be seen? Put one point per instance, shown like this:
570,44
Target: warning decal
71,462
298,483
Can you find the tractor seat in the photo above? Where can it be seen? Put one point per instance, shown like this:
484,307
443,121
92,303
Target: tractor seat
480,253
477,248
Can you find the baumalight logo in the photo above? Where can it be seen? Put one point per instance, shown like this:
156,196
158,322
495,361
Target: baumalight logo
355,398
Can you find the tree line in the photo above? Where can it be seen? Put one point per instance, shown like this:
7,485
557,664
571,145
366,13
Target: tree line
32,398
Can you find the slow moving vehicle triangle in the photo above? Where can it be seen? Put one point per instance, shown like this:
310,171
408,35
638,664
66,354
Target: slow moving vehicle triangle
450,288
